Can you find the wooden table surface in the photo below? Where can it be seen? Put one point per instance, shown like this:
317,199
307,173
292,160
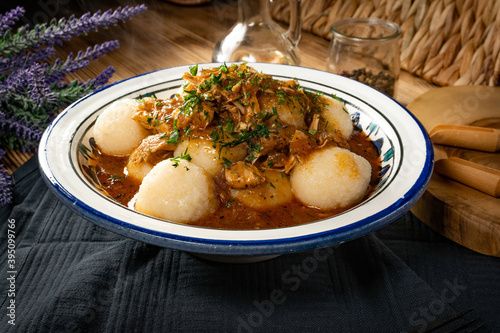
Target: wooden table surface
168,35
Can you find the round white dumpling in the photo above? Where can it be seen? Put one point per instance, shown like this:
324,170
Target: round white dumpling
331,178
115,132
336,116
275,191
289,112
178,191
210,158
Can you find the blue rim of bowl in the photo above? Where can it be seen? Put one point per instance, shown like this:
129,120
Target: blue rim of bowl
240,247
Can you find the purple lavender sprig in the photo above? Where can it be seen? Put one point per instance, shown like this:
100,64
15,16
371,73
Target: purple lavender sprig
5,183
27,92
9,65
32,88
100,80
59,69
10,18
57,31
14,129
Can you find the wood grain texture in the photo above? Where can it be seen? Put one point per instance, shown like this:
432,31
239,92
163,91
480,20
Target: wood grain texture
477,176
461,213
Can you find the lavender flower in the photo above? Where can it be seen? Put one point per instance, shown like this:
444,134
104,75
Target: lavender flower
63,29
10,18
5,183
27,86
59,69
14,129
8,65
33,90
38,88
11,85
100,80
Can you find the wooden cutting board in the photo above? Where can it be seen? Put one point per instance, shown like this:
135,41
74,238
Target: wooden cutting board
466,216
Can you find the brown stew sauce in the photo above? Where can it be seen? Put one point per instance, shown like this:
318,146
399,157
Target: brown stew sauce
233,214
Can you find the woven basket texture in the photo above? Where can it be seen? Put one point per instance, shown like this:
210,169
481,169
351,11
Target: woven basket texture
446,42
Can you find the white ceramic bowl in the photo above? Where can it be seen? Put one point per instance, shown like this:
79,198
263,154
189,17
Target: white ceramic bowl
405,149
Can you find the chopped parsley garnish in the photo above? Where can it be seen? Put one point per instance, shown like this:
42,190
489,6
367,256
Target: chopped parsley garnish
193,70
226,162
229,202
115,178
177,159
281,97
215,135
259,131
190,102
174,137
229,126
223,68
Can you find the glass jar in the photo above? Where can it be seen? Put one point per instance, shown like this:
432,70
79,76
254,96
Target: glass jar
367,50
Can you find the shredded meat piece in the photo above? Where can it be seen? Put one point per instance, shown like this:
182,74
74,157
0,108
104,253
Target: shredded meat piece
279,138
199,117
155,114
151,150
276,159
190,78
315,122
243,175
292,161
335,138
302,144
166,116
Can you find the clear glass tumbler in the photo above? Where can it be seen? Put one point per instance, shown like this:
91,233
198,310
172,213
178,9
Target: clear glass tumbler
367,50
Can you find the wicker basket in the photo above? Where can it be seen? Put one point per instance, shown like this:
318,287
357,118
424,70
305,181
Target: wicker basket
447,42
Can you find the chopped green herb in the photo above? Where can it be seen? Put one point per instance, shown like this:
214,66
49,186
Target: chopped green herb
227,163
115,178
223,68
190,102
275,111
177,159
230,125
174,137
281,97
193,70
215,135
259,131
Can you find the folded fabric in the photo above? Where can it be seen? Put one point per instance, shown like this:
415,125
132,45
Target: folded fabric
70,275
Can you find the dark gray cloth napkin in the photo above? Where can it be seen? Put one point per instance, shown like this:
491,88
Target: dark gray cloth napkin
73,276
